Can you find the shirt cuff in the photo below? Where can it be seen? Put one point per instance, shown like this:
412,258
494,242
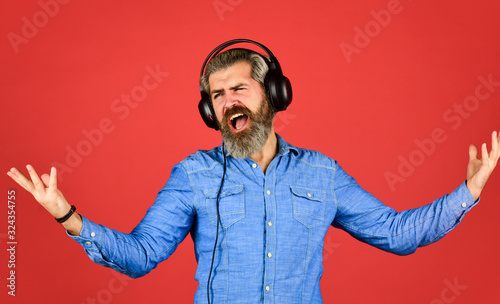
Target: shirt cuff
461,201
88,236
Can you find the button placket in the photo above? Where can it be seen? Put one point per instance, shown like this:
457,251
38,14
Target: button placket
270,232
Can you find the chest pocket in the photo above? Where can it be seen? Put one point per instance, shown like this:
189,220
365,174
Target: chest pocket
231,205
308,206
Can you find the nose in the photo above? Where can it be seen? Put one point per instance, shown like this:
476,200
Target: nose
230,100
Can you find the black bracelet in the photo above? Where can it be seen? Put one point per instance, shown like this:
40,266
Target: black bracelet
67,216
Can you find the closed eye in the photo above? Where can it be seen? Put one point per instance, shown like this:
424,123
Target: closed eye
239,88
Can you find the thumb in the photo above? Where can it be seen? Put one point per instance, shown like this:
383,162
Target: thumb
472,152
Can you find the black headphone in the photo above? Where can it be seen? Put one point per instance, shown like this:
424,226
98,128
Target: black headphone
277,86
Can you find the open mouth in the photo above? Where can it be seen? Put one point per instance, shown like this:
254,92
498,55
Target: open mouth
238,121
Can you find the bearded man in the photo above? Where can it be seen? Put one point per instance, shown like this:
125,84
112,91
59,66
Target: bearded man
258,208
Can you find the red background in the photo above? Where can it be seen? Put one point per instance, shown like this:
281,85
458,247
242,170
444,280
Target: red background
366,112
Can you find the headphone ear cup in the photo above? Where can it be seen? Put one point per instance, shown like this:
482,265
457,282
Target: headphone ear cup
279,90
207,111
284,92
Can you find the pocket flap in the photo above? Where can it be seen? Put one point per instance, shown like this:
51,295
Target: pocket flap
226,191
312,194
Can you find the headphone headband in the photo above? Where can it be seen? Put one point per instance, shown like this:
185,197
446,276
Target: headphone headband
226,44
277,86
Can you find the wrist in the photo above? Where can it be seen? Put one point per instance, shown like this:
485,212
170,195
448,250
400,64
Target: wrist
473,190
59,209
64,218
74,224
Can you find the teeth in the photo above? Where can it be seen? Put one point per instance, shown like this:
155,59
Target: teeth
232,118
236,116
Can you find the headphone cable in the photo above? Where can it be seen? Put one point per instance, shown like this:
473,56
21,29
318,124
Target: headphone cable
218,217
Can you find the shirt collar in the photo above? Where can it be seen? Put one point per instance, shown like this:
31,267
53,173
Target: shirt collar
285,147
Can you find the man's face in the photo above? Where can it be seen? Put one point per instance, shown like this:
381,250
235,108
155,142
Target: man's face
242,110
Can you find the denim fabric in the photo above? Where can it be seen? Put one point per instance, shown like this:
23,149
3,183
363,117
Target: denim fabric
273,225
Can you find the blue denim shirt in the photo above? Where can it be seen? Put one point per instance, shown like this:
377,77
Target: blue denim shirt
273,225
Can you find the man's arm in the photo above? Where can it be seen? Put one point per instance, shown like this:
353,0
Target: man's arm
153,240
369,220
45,191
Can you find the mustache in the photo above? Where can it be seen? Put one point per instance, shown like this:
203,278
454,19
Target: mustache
236,110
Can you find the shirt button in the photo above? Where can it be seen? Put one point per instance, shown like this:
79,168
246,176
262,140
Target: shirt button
464,205
269,223
309,194
269,255
88,243
268,192
267,288
254,166
92,234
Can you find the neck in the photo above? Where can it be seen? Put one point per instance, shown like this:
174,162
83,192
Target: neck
267,153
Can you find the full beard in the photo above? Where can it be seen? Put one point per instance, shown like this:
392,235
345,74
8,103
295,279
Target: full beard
253,138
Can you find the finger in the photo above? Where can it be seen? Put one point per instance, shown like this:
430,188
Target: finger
484,153
495,142
472,152
36,180
22,180
53,179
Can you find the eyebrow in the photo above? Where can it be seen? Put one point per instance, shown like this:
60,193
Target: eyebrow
238,85
215,91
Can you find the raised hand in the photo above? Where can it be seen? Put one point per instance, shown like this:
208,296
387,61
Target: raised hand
479,170
45,191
